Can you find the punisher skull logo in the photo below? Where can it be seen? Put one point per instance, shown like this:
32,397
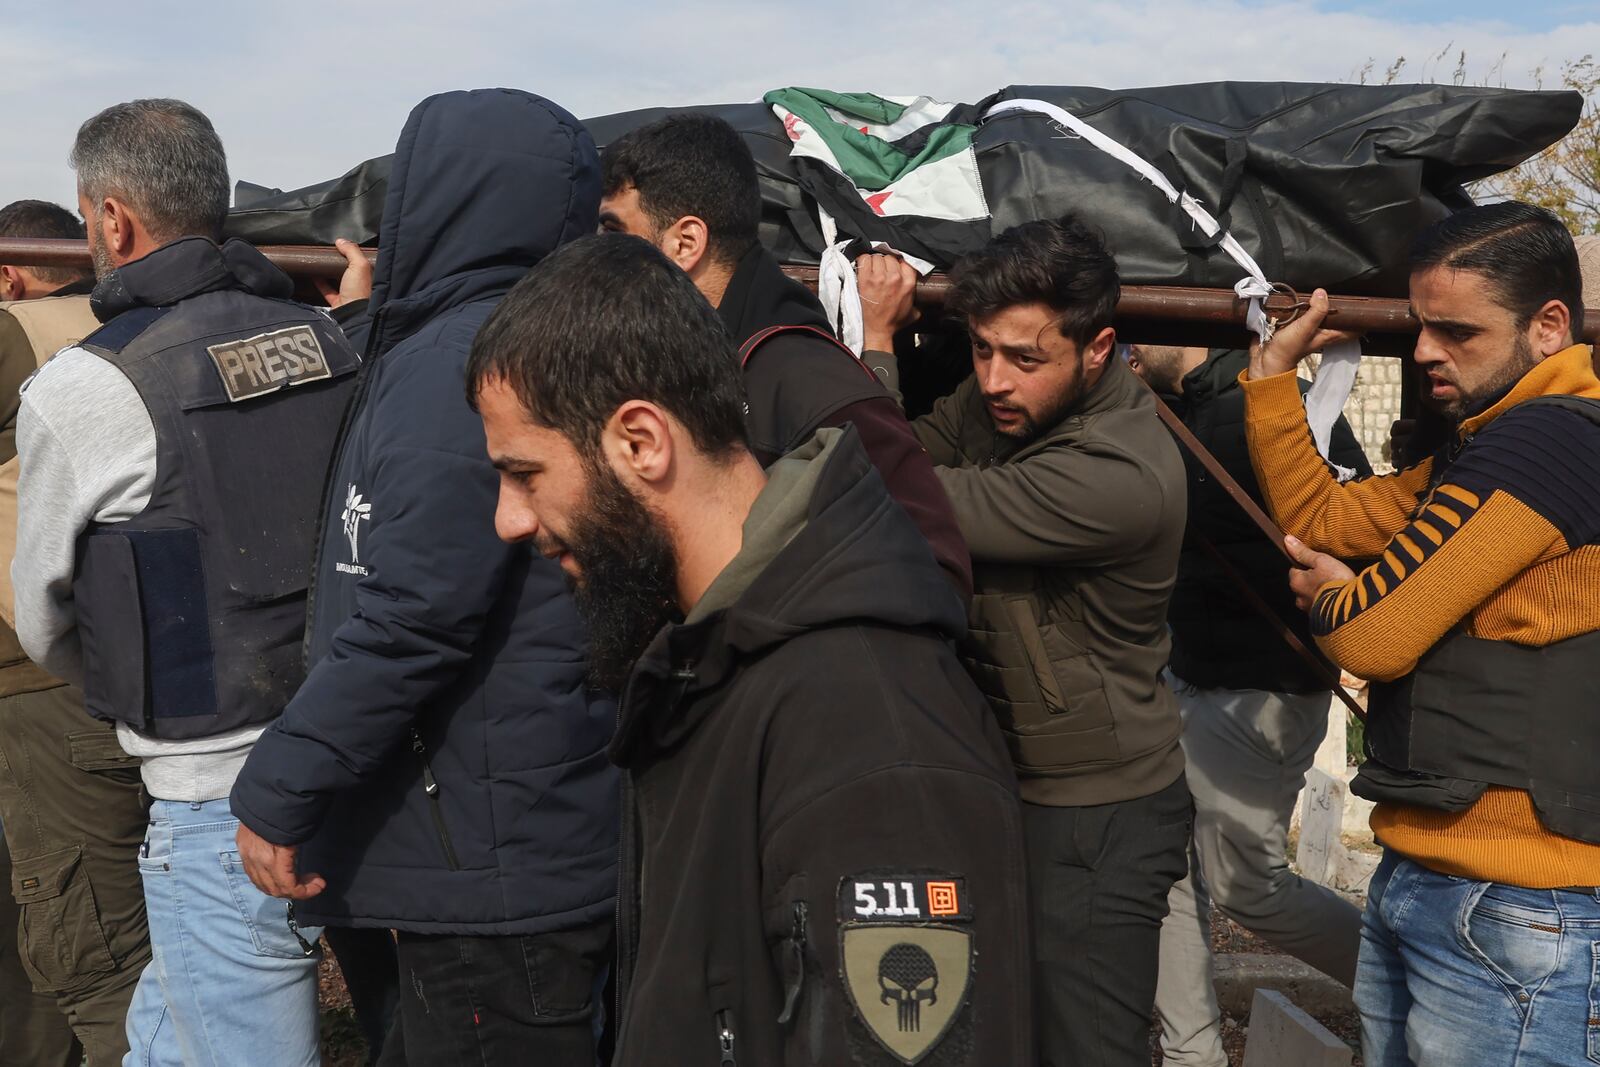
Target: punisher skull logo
908,977
907,982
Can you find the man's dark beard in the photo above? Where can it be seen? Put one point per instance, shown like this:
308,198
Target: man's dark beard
1497,388
1031,428
629,576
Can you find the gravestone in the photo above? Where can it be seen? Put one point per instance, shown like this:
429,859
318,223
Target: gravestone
1281,1035
1321,820
1332,758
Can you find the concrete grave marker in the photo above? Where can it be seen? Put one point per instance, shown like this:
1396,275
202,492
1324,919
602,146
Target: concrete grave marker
1281,1035
1321,820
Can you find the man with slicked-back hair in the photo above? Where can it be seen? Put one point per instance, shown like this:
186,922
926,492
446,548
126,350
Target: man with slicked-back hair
1480,628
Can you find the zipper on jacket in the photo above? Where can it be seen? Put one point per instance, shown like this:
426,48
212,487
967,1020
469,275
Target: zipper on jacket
630,870
725,1039
796,950
624,915
430,786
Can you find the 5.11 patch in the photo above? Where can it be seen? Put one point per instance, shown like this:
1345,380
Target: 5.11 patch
901,897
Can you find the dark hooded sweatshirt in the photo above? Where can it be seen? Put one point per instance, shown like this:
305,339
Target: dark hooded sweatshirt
797,383
825,827
443,765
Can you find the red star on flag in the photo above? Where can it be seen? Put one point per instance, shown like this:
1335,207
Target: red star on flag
875,201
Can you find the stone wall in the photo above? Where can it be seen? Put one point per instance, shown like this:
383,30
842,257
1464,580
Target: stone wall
1373,406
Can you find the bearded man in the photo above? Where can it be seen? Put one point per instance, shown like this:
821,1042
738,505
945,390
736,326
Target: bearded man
1479,626
1071,497
822,856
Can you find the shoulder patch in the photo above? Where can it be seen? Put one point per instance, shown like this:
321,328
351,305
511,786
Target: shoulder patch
907,968
898,897
268,362
115,335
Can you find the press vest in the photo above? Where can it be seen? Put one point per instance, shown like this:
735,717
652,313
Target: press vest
191,614
1476,713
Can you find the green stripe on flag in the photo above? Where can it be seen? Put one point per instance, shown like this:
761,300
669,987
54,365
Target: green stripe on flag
874,109
870,163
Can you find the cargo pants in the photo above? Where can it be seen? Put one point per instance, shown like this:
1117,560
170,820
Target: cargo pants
32,1029
74,817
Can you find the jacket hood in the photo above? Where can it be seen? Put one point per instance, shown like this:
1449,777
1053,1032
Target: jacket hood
760,295
183,268
852,557
484,185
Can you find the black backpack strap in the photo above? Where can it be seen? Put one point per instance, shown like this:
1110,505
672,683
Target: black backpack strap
755,341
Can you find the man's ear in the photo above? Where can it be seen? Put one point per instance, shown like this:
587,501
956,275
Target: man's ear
1100,349
686,242
1551,328
638,439
12,284
119,226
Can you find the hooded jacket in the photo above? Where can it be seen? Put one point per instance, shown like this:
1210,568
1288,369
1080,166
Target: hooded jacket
823,858
797,383
1218,640
444,765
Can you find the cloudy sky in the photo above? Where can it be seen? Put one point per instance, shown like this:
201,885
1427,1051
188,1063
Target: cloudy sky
302,91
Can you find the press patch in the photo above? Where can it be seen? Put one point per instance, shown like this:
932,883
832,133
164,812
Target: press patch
898,897
269,361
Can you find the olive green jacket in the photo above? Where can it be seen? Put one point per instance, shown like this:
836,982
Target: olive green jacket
1075,539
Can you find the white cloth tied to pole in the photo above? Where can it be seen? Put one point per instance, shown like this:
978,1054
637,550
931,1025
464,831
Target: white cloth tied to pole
1330,389
1337,373
837,287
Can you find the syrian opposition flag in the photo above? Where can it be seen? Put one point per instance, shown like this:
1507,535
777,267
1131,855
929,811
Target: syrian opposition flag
900,170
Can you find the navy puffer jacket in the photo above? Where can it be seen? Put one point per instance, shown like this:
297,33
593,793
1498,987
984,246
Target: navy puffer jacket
444,766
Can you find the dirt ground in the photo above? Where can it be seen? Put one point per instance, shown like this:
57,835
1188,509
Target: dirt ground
342,1045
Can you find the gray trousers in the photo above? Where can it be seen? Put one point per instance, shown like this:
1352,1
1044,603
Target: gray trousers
1247,752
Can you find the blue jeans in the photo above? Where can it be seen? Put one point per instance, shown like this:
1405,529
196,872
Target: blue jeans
230,982
1455,972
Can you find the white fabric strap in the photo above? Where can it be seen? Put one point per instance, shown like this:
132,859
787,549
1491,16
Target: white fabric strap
1335,376
837,287
1330,389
